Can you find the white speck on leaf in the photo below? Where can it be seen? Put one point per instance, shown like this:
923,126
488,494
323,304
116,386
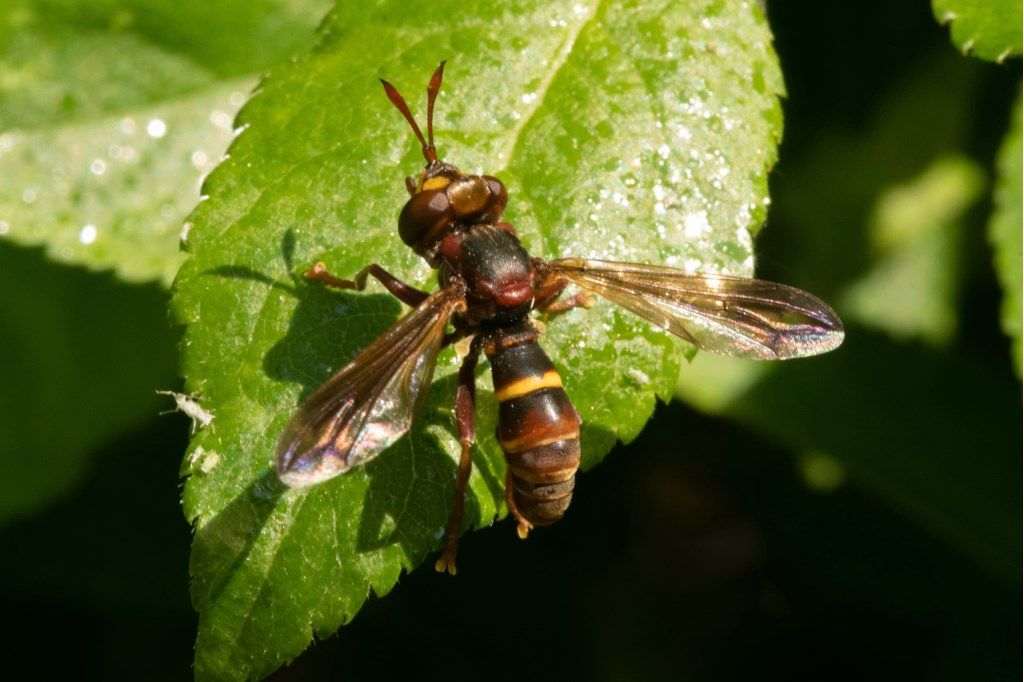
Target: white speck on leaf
191,407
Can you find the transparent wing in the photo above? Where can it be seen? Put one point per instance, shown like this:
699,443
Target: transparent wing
370,402
747,318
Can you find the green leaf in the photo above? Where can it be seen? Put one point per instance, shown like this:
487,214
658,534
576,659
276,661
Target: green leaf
112,111
916,234
82,359
988,29
1004,231
624,132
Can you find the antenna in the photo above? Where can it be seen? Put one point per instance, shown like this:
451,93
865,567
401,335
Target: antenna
429,152
432,90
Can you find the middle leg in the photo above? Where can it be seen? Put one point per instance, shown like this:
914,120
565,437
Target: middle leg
548,298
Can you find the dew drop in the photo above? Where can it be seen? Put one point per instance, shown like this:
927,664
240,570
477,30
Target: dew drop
199,158
220,119
28,195
156,128
4,227
97,167
696,224
87,235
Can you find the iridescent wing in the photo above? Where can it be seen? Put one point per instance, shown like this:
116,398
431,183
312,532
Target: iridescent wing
370,402
737,316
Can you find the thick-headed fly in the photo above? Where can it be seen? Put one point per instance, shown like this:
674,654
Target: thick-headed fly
489,285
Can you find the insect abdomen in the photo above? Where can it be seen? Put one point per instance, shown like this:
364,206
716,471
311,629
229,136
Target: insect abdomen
538,427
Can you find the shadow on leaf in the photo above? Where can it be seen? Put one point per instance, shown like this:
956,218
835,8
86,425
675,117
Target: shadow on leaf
222,544
409,488
244,272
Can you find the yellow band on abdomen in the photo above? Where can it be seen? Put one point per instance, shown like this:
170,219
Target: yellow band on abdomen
521,387
529,442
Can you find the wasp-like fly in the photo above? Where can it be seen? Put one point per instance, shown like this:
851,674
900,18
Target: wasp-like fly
489,285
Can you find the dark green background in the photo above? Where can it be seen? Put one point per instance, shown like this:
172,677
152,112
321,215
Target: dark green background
695,553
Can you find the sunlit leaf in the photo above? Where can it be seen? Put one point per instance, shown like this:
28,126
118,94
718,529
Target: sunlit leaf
636,132
989,29
112,111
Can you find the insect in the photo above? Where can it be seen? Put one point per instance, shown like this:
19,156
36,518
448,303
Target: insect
489,285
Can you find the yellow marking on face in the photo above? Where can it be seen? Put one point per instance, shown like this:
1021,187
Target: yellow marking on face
524,443
439,182
520,387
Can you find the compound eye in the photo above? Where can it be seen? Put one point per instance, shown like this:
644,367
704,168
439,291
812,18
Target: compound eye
469,194
499,197
410,185
498,190
423,214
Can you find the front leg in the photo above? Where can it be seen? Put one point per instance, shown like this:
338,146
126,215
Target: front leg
465,418
405,293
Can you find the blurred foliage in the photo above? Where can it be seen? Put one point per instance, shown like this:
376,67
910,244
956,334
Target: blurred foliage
111,111
881,219
1005,231
915,237
839,517
82,358
989,29
610,179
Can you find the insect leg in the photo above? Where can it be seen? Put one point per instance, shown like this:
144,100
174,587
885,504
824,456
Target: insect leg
405,293
548,291
465,418
582,299
546,295
523,527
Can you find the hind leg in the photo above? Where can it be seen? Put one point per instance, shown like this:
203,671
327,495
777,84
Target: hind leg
465,418
523,527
